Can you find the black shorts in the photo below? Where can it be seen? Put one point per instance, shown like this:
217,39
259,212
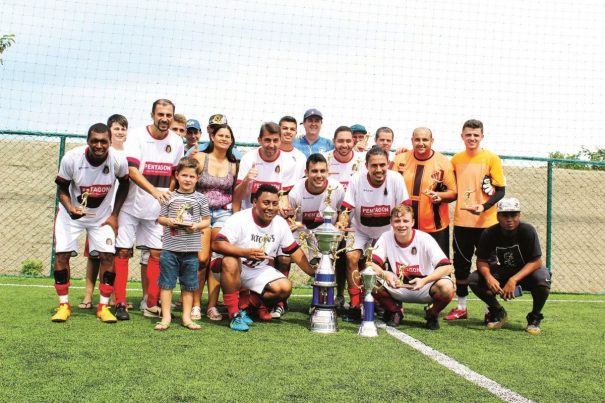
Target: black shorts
539,278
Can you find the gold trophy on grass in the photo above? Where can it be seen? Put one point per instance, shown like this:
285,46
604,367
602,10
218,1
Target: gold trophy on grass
369,277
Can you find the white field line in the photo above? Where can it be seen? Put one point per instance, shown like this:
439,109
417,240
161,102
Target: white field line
76,287
491,386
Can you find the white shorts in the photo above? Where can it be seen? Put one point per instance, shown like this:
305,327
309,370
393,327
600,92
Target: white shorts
256,279
101,239
362,241
421,296
148,233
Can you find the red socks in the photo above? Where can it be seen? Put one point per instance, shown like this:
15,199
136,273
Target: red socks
62,289
231,301
384,299
121,270
355,295
153,275
439,303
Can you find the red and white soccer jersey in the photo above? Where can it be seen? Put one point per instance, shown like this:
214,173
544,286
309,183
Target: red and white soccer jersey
371,204
242,230
300,162
343,170
99,182
281,173
311,205
156,160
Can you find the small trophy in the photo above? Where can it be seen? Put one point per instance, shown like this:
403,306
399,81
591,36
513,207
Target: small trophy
183,217
368,326
467,198
84,201
292,218
356,165
263,242
431,186
344,217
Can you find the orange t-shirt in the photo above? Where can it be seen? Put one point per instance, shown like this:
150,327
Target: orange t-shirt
475,177
421,175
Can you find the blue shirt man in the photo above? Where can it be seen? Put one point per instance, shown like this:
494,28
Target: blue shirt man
311,142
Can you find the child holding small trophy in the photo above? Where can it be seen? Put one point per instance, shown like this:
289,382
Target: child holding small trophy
183,218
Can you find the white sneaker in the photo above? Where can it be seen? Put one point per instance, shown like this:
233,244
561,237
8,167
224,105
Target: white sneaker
152,312
277,312
196,313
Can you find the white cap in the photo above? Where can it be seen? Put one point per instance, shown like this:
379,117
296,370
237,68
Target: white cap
508,204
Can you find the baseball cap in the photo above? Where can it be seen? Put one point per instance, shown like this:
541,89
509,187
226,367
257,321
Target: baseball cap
357,128
508,204
217,119
312,112
193,124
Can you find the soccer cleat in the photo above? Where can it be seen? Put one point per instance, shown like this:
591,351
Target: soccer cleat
339,302
456,314
432,321
393,318
497,318
533,323
196,313
152,312
105,315
122,312
263,314
63,313
245,317
354,315
277,312
238,323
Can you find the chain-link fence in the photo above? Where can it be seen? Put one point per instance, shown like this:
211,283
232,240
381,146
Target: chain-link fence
565,206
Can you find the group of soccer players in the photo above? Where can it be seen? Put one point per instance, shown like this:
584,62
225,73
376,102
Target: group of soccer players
394,204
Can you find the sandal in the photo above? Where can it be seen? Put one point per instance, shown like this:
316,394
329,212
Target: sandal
191,326
213,314
85,305
160,326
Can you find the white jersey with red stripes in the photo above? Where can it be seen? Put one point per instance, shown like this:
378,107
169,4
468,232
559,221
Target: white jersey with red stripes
311,205
300,162
243,231
97,182
281,173
371,204
156,160
419,258
342,170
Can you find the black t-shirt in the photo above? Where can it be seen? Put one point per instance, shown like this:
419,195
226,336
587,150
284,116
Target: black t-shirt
509,251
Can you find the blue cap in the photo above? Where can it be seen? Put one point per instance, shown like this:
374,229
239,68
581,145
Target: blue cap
312,112
357,128
193,124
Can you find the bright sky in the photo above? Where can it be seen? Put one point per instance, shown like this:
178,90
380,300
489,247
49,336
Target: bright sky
532,71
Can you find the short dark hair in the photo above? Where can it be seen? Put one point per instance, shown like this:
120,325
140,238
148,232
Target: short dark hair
384,129
162,102
270,127
98,128
287,118
342,129
314,159
473,124
119,119
188,162
264,188
376,150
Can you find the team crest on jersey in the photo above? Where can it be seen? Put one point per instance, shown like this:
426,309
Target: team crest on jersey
414,250
168,148
106,170
108,241
277,169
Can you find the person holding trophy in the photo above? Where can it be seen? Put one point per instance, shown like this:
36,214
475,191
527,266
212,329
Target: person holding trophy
86,183
419,271
243,252
370,197
480,181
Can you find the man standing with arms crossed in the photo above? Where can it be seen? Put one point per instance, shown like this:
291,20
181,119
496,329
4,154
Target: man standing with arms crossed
431,184
480,181
153,152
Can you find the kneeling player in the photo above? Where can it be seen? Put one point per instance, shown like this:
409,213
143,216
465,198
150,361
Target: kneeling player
420,269
244,247
85,186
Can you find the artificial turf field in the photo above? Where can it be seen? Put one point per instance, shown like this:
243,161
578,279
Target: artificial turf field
86,360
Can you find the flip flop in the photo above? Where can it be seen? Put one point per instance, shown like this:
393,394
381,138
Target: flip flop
160,327
85,305
191,326
213,314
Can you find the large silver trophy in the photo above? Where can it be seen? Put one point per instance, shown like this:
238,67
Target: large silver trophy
368,275
323,318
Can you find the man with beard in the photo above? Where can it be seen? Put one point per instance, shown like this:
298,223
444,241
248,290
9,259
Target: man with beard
343,161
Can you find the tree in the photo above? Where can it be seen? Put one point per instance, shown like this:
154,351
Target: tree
5,42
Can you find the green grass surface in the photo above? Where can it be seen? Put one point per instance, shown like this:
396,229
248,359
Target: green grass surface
85,360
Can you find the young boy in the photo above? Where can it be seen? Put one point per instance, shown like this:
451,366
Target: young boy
183,218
